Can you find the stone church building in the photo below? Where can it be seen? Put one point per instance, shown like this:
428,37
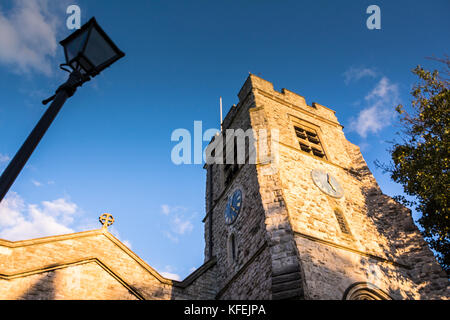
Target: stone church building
312,225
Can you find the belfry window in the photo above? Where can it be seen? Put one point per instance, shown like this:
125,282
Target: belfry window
309,141
230,169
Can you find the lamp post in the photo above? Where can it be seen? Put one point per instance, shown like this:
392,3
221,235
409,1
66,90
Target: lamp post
88,52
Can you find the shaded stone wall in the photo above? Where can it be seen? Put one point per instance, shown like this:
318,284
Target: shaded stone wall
330,271
247,276
249,232
80,282
200,285
252,281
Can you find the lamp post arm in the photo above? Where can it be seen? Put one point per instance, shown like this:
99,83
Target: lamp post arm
20,159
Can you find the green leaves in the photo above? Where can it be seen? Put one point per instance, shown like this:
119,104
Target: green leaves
421,162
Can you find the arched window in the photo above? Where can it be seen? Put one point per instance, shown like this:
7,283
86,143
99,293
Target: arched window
365,291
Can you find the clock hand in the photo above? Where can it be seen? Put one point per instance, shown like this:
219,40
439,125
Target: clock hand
328,180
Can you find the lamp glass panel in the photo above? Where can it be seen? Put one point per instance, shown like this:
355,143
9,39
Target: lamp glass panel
98,50
76,45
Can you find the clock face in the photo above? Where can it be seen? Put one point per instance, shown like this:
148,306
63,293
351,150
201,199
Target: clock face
233,208
327,183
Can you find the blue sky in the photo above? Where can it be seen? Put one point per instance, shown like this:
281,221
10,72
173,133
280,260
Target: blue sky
109,149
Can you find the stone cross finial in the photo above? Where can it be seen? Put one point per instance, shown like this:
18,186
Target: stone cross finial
106,220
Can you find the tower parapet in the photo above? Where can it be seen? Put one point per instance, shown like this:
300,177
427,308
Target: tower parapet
286,96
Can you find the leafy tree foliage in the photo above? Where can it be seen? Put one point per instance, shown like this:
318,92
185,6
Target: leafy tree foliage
420,162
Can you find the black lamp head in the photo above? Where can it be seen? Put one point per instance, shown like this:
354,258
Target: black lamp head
90,50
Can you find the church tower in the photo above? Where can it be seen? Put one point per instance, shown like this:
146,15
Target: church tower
308,221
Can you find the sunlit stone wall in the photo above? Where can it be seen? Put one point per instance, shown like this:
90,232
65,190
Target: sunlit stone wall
90,265
384,247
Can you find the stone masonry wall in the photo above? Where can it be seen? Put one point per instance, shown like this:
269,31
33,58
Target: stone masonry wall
89,265
249,231
202,287
384,240
274,272
247,276
80,282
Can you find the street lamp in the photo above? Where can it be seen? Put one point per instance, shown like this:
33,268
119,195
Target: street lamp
88,52
90,49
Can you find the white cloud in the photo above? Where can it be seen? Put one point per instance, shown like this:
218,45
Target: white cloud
4,158
172,276
60,206
181,226
371,120
36,183
21,221
384,90
355,74
379,112
28,36
11,209
171,237
165,209
169,273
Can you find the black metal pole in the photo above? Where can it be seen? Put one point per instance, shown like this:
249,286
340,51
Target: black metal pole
20,159
18,162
